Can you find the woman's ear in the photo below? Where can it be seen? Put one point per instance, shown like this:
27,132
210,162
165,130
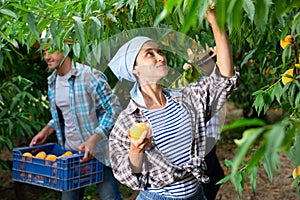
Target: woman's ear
135,72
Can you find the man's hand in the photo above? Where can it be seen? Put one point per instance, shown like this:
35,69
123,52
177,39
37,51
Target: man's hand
89,147
41,137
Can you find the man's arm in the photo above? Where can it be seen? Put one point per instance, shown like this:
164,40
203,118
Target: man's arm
41,137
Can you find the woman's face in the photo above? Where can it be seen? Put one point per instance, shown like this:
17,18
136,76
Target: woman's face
150,64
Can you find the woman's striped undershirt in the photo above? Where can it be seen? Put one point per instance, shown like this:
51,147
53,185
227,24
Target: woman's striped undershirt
172,134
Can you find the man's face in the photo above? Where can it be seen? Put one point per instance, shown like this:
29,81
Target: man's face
52,58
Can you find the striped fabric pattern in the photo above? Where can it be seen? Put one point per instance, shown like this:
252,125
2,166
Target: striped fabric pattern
171,127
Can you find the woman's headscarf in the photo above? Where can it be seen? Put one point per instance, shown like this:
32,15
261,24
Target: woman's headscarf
123,62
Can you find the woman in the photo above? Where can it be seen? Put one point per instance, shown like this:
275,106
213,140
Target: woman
167,162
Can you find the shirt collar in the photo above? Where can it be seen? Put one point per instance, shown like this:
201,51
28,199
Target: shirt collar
74,72
173,93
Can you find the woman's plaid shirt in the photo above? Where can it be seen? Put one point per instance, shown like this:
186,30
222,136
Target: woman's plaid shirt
201,100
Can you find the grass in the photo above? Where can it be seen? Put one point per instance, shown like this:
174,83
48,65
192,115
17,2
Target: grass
27,191
91,192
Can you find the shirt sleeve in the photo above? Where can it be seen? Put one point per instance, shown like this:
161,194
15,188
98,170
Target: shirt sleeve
214,90
119,145
51,123
108,106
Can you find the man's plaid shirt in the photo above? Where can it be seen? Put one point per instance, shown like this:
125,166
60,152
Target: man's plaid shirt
200,100
94,106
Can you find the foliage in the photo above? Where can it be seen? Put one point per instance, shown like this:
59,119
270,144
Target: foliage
20,111
262,145
23,106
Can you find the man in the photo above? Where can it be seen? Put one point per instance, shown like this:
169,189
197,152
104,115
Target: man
214,170
83,110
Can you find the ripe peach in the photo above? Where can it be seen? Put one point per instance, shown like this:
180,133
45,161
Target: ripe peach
41,155
51,157
28,154
286,41
287,76
296,172
67,153
137,130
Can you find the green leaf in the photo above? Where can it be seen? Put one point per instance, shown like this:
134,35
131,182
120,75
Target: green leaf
66,49
270,163
280,7
15,102
261,14
235,8
284,89
296,22
1,61
24,126
96,20
252,176
11,127
21,7
291,94
202,11
277,91
244,144
294,151
274,138
76,49
237,179
3,112
32,24
288,139
271,94
53,28
8,13
286,54
249,55
164,13
228,163
221,12
255,159
257,92
111,17
297,100
171,4
267,102
191,17
224,180
240,123
259,103
249,9
62,5
79,31
11,41
96,52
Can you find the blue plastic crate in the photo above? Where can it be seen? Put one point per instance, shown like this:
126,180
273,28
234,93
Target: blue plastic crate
64,174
